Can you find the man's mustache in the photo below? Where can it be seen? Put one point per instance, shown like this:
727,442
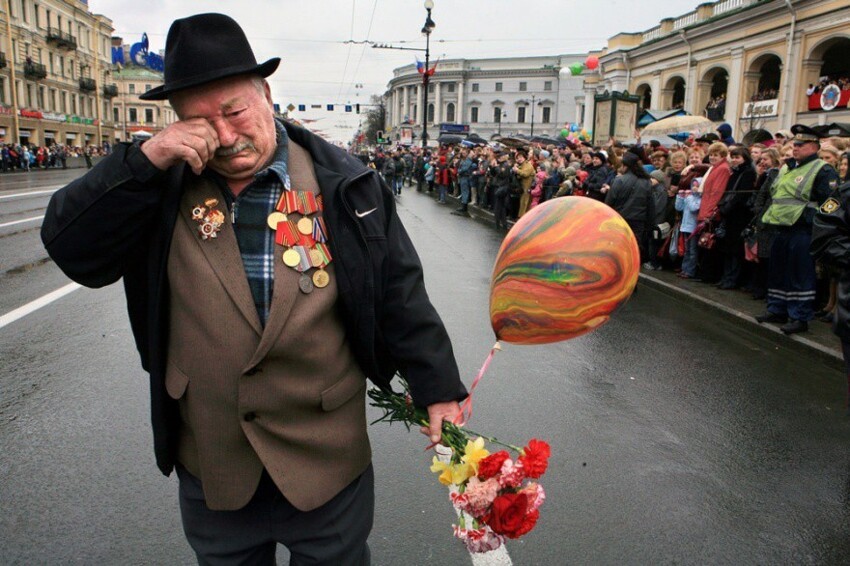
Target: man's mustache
234,149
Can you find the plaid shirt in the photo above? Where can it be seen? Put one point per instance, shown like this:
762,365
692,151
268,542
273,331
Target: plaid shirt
250,211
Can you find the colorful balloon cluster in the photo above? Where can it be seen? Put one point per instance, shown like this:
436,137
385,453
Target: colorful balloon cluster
574,133
576,69
562,271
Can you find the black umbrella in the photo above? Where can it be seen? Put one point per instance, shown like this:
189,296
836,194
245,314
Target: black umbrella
548,141
758,135
475,138
447,139
837,129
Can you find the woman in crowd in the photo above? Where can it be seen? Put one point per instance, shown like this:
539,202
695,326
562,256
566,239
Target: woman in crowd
735,215
768,169
599,176
631,197
713,186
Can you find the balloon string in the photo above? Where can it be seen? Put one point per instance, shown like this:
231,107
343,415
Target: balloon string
466,407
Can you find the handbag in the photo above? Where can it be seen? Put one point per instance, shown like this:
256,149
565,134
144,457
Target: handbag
661,231
706,240
673,245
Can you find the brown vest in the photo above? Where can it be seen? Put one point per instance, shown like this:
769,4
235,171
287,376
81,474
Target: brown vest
288,397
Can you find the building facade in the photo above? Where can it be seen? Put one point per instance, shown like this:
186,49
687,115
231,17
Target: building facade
491,96
55,70
133,117
751,63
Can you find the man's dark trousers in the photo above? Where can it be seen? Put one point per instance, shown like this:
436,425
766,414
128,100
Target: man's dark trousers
335,533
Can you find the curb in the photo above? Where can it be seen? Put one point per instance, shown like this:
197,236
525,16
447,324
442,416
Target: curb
794,341
798,342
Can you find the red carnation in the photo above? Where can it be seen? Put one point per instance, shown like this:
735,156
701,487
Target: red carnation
508,514
491,465
535,458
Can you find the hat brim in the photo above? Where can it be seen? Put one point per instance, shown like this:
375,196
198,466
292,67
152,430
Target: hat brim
162,92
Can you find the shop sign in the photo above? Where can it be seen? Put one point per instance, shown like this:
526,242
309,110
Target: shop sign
761,109
6,110
54,117
30,113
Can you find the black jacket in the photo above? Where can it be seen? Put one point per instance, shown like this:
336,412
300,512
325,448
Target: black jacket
596,178
734,212
117,222
831,245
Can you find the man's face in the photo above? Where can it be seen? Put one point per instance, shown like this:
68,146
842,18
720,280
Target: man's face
756,154
241,113
801,151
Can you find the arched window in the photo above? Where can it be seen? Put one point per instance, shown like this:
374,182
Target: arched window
450,112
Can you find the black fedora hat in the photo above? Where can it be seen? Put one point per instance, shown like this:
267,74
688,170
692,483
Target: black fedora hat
205,48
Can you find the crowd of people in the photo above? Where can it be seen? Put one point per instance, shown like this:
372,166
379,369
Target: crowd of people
26,157
841,82
765,94
715,110
699,208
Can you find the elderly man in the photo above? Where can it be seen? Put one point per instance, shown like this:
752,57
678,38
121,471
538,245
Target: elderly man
267,276
798,191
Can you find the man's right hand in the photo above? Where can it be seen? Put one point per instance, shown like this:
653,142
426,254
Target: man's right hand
193,141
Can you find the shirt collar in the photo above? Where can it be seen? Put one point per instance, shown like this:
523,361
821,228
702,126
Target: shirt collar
279,165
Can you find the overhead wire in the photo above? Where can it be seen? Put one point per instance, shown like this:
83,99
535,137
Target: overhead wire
348,53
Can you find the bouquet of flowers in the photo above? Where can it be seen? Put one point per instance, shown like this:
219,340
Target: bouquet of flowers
496,496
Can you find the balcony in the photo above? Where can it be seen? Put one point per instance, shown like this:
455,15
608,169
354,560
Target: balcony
110,91
35,71
2,60
61,39
87,85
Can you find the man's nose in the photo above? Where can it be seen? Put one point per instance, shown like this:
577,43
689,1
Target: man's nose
226,133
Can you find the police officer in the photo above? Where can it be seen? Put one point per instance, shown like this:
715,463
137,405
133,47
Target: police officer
802,186
831,245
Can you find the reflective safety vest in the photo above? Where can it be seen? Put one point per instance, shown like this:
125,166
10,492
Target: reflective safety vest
791,192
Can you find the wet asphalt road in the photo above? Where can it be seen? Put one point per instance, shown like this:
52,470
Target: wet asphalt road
677,436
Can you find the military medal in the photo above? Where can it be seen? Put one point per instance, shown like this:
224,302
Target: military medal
276,218
305,226
305,284
305,239
321,278
209,219
291,258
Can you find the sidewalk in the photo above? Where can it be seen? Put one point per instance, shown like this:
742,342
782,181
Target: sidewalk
736,305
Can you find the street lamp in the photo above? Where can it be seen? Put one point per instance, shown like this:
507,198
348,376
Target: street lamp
426,29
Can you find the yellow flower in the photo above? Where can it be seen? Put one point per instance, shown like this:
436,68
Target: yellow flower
450,474
474,453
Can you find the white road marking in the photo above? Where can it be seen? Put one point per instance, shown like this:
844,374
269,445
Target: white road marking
33,306
31,193
21,221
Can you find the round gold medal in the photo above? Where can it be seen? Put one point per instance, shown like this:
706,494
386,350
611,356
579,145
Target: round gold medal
305,226
274,218
316,258
291,258
321,279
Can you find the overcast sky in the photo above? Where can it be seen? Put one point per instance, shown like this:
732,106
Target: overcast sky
319,68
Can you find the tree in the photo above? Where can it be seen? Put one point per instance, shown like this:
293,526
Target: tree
374,119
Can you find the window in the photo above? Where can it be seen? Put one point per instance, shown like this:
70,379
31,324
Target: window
12,8
498,87
520,114
41,98
547,114
133,117
148,115
64,101
473,114
73,104
52,66
30,96
523,86
132,88
431,87
2,90
547,85
24,12
497,114
115,114
53,107
451,87
431,112
474,87
61,66
147,88
38,16
450,112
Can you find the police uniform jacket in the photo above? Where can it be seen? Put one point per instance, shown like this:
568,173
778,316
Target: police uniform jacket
117,222
831,244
